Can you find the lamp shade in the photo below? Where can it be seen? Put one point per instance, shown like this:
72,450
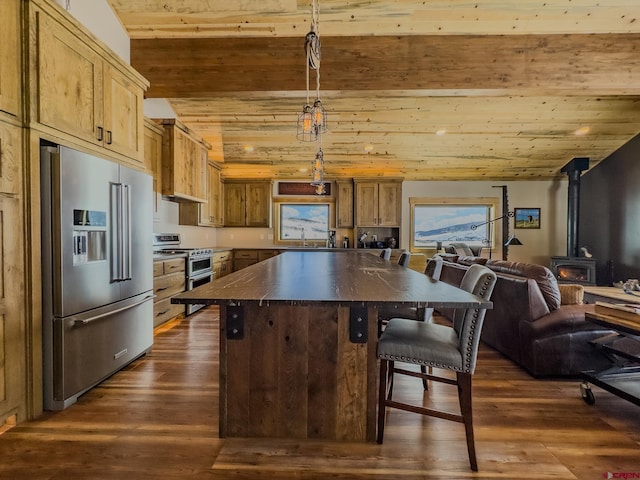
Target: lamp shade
513,241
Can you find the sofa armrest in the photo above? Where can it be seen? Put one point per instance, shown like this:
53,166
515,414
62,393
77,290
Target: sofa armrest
571,294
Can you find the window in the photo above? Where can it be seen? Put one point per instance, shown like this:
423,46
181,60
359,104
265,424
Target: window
436,222
311,217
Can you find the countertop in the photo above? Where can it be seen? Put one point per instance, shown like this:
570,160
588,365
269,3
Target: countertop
311,277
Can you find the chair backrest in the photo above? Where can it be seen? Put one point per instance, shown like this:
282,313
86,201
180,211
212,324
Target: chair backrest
403,259
461,248
434,267
480,281
386,254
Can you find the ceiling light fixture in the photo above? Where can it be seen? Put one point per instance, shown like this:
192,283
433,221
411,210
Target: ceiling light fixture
317,170
312,122
582,131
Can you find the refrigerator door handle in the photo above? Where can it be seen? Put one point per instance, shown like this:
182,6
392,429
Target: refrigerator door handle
115,227
116,237
86,321
125,232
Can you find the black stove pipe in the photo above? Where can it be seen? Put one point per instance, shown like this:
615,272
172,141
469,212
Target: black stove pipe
574,169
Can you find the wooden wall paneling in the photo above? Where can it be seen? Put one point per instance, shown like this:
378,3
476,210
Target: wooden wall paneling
322,361
351,383
263,353
235,418
293,370
297,363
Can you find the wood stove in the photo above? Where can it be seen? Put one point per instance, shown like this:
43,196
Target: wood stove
573,268
580,270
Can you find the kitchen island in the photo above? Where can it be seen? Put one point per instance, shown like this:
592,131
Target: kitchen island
298,340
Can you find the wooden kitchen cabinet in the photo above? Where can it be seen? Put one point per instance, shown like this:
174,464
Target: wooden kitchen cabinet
244,258
10,159
208,214
169,279
13,349
81,88
184,163
246,204
10,58
222,263
153,159
266,254
378,203
344,204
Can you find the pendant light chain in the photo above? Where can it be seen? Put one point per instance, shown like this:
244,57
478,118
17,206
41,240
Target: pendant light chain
312,122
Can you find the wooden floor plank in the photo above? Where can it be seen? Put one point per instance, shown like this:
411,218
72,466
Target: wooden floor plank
158,418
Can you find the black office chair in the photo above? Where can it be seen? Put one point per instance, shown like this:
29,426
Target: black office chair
440,347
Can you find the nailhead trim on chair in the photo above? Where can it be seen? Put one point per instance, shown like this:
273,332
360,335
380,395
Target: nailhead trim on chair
469,349
417,362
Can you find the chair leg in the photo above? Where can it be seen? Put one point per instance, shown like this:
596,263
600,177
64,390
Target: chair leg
382,395
464,396
423,370
390,368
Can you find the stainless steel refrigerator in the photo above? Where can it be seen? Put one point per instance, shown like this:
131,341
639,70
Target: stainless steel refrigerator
97,268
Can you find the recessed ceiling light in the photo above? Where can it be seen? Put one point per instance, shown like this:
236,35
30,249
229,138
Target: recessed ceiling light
582,131
441,132
368,147
304,170
248,148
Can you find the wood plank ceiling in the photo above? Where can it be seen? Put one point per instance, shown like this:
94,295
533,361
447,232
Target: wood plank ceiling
425,90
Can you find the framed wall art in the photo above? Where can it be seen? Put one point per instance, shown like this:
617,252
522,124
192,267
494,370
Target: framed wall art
527,218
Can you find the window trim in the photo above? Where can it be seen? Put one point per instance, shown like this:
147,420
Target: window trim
278,202
491,202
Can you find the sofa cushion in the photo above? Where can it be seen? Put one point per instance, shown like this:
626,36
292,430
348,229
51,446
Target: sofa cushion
469,260
542,275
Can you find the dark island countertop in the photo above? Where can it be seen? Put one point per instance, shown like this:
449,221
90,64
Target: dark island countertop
313,276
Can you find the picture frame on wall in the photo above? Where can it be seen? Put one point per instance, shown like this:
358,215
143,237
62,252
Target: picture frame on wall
527,218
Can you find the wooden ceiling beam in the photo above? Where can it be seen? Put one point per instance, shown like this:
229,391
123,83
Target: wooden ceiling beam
202,67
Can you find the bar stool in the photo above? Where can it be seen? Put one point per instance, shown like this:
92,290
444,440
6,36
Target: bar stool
440,347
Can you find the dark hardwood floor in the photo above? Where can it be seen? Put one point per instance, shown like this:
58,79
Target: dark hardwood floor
157,419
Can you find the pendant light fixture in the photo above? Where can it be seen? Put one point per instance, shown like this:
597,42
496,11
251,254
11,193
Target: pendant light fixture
312,122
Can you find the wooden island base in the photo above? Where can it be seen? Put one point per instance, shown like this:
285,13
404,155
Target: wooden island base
295,372
298,337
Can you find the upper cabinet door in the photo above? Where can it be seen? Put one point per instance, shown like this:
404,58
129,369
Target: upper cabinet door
234,204
366,204
10,159
123,117
389,204
10,57
257,206
69,86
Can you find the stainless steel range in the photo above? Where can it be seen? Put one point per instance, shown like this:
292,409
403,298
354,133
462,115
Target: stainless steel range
199,267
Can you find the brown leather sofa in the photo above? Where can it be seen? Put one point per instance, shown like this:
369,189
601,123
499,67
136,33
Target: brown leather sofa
529,323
